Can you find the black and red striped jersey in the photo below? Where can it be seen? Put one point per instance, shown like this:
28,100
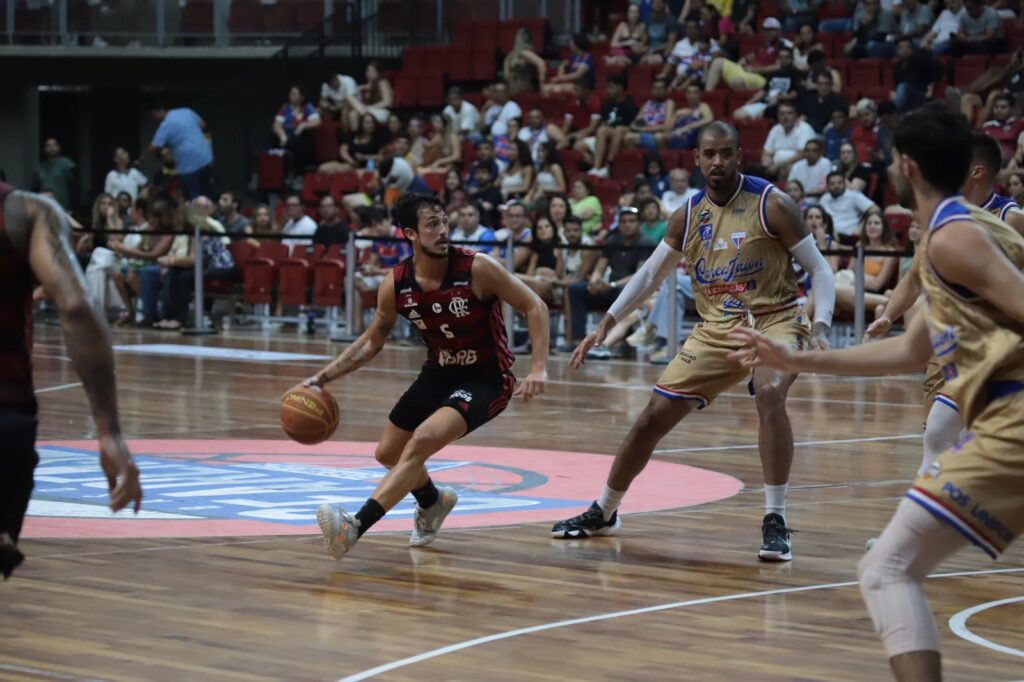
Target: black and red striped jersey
460,330
16,391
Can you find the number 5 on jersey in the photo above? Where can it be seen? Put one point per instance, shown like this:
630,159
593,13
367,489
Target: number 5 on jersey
447,331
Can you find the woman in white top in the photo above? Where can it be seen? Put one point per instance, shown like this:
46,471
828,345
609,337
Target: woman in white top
803,43
125,178
550,176
517,179
376,98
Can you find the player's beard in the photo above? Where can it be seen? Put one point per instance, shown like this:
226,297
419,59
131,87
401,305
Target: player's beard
441,251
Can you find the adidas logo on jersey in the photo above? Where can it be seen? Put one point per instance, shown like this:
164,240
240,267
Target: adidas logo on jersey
413,315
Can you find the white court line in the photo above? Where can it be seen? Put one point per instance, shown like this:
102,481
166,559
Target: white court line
958,624
46,673
906,436
387,667
50,389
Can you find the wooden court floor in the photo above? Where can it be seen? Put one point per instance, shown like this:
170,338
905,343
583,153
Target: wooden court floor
678,595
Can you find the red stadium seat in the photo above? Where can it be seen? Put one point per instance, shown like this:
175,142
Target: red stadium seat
900,224
460,64
291,281
507,35
412,60
196,17
325,141
342,183
462,34
314,186
406,90
485,35
554,108
260,272
241,251
329,282
270,170
367,180
864,73
753,134
641,80
246,17
435,60
281,17
538,32
468,154
728,106
749,43
627,165
968,68
434,180
309,13
430,91
484,66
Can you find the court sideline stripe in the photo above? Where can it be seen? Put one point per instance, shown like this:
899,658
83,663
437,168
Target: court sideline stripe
387,667
46,673
958,624
61,387
872,439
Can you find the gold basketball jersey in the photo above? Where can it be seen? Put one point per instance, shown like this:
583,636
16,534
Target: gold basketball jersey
736,264
975,344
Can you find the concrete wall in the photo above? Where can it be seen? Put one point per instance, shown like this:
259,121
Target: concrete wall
19,133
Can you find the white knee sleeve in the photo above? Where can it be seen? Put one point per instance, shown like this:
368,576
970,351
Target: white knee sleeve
940,433
913,544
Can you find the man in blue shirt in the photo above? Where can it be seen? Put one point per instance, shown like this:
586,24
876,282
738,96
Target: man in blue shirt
181,130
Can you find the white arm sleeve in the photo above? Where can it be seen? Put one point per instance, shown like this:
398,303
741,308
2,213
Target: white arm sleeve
823,284
646,280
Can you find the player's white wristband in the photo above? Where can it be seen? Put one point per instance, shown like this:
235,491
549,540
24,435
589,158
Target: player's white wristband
823,282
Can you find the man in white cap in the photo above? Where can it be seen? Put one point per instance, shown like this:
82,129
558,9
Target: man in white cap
746,73
765,57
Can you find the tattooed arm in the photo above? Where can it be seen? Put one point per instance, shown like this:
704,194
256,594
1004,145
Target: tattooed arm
38,229
369,343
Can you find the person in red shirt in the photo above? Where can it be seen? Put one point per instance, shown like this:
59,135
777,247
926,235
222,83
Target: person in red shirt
582,115
865,133
764,58
1004,128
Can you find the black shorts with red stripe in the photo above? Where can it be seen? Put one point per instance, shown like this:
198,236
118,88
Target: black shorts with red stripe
478,395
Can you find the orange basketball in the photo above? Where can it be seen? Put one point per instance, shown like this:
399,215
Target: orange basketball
309,415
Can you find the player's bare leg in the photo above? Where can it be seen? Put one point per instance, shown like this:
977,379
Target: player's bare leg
659,417
775,445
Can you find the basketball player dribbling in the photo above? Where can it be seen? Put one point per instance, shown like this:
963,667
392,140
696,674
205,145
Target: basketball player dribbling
942,416
34,247
454,298
971,275
738,237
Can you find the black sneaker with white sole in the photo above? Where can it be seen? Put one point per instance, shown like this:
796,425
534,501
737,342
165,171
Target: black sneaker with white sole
775,545
587,524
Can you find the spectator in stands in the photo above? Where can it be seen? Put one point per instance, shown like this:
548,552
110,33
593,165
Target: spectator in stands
661,33
816,66
915,19
417,142
766,56
202,210
523,69
582,116
462,115
500,112
103,264
125,177
879,271
453,195
784,84
517,224
558,213
484,157
817,107
394,129
655,175
145,250
123,202
837,134
692,69
376,97
873,30
332,229
819,224
577,264
838,25
786,142
805,42
980,30
795,190
719,28
652,225
914,73
516,180
598,293
545,266
865,132
549,178
649,130
888,118
57,174
442,148
262,223
744,16
940,37
137,251
397,177
181,130
629,42
587,207
846,206
859,176
798,13
293,127
538,132
616,115
503,143
686,49
334,95
485,193
469,229
1003,127
298,224
995,80
1015,187
812,171
579,66
227,214
679,190
689,119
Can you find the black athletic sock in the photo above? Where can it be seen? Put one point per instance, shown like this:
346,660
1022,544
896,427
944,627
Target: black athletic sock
370,514
427,495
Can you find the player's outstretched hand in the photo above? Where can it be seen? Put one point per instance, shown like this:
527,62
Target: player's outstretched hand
305,383
122,474
819,337
878,329
594,338
760,351
532,385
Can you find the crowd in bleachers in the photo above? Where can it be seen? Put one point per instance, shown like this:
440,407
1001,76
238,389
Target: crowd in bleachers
592,142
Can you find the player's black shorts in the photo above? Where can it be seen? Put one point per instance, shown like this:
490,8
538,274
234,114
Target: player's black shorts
478,395
18,460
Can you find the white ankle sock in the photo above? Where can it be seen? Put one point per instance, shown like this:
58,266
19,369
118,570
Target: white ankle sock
775,499
610,501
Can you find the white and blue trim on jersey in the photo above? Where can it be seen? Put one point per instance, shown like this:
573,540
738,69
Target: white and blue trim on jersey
1000,203
947,401
944,513
950,209
671,394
